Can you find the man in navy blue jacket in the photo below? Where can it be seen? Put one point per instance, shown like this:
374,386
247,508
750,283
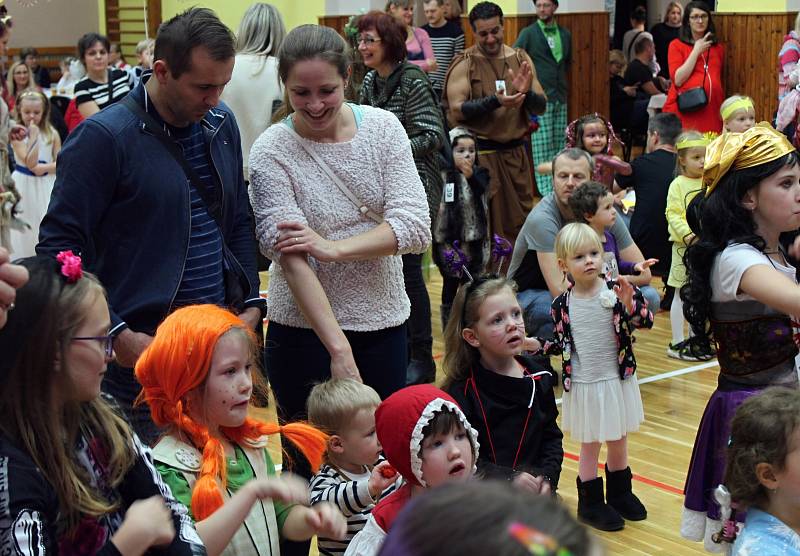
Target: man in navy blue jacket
125,204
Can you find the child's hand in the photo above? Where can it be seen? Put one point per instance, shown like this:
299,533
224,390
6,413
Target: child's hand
624,291
383,475
534,485
326,521
644,265
289,488
33,130
147,523
39,170
531,344
464,166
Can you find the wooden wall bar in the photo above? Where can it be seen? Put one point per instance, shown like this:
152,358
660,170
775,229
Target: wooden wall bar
752,42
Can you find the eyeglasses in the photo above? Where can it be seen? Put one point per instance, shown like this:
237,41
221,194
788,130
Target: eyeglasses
698,17
106,343
369,41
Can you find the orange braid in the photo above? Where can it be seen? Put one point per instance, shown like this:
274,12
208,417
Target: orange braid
177,362
309,440
207,493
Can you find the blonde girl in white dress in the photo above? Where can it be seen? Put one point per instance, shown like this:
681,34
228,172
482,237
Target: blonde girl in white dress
35,170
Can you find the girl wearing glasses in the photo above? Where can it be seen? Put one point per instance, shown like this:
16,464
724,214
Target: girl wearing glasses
75,479
696,61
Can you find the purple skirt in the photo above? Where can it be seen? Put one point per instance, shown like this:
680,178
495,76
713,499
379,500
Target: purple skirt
707,467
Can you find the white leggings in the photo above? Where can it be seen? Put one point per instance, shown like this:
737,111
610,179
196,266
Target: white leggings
676,318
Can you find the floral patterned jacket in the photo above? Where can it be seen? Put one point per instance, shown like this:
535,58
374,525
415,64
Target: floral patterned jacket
624,325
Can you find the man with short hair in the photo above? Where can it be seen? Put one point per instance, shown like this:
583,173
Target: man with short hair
533,263
447,40
550,47
640,74
650,178
491,89
639,70
159,237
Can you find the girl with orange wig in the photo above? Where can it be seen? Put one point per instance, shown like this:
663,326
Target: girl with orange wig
196,378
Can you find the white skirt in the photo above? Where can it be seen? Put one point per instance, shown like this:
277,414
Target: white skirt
35,192
603,410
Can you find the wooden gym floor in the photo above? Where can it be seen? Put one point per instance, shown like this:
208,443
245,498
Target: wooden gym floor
674,394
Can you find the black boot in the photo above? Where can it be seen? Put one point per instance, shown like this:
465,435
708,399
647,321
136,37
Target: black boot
620,496
592,508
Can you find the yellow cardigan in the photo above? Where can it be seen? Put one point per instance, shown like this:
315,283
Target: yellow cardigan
681,191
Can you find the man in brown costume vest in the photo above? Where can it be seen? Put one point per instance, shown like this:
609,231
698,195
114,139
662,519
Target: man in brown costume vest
491,89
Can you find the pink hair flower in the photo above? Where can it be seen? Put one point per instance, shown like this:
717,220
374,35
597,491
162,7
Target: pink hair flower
70,266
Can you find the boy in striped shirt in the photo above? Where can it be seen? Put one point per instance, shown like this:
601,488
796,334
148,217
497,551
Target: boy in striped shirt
354,476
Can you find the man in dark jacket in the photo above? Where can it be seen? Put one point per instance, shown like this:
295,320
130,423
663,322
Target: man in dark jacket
142,225
550,47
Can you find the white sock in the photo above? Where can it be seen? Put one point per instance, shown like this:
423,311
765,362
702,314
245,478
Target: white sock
676,318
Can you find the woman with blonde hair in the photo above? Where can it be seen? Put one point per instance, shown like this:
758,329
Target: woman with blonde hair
664,33
19,79
418,42
254,91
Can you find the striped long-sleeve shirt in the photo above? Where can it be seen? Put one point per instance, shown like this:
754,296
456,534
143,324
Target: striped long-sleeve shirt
351,495
407,93
446,41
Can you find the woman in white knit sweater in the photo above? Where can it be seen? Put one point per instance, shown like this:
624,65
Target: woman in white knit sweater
254,87
337,303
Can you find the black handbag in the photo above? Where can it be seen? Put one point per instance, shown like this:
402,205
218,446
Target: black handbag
692,100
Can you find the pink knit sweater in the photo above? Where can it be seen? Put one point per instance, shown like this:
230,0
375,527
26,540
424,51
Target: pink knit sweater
377,166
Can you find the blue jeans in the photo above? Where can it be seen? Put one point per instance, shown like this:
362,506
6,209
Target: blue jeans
651,296
536,309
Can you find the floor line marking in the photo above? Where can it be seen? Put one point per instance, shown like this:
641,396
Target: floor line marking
651,482
672,374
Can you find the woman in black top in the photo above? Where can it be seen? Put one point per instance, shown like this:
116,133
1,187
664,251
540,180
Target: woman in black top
664,33
102,85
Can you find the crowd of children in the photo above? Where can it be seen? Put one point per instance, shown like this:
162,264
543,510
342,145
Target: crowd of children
469,468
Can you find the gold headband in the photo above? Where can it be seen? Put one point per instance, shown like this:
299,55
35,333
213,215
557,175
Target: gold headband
735,106
734,151
689,143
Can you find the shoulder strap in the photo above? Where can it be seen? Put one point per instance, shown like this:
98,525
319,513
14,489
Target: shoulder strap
630,46
362,208
208,195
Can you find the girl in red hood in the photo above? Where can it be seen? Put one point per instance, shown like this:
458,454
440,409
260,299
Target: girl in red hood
428,440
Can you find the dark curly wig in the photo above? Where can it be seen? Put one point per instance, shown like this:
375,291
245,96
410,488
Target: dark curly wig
721,220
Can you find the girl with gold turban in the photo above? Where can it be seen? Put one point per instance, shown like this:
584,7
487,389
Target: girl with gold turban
741,291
